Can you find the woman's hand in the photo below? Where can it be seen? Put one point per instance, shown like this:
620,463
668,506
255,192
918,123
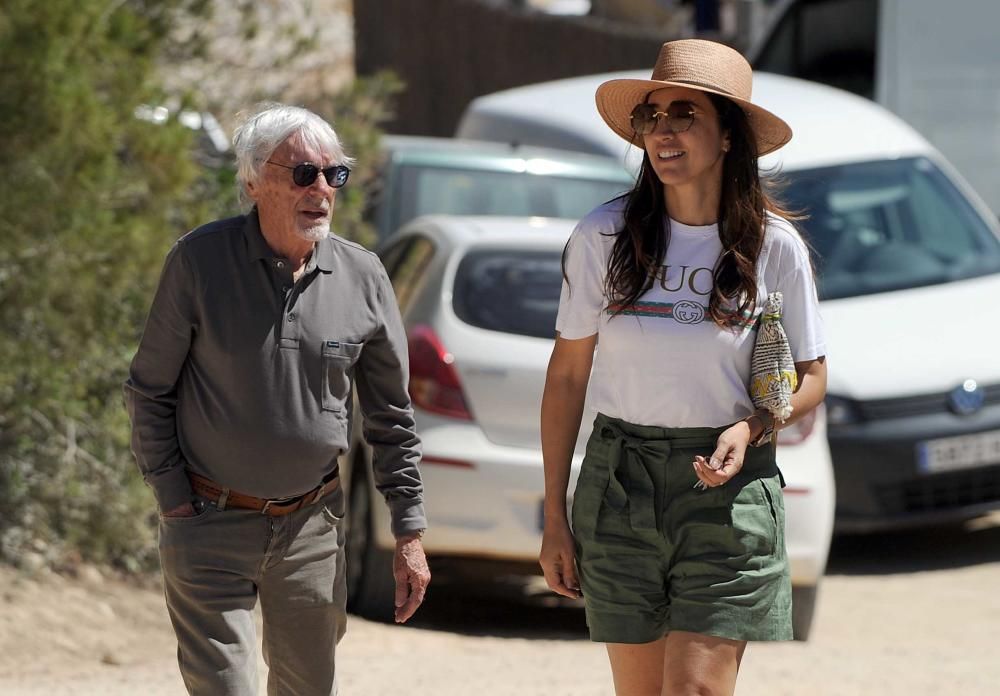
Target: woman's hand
558,559
727,460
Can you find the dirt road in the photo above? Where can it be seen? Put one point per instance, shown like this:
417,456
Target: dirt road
906,614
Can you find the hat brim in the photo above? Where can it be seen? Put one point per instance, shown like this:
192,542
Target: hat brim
616,99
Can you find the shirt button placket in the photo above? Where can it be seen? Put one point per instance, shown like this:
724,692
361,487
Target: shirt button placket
290,330
292,322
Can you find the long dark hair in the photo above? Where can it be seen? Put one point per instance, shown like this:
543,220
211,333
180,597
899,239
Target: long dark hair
641,245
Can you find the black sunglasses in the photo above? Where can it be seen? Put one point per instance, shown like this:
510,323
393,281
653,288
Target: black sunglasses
306,174
645,118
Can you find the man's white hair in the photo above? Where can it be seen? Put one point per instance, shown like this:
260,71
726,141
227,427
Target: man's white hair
268,125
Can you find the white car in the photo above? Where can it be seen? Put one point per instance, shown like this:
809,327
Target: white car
479,297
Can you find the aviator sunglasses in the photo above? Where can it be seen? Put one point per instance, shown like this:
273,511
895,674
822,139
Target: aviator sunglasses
645,118
305,174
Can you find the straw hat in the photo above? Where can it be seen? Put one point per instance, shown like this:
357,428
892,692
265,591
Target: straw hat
706,66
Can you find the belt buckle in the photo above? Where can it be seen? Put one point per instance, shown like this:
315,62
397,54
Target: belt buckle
280,501
277,502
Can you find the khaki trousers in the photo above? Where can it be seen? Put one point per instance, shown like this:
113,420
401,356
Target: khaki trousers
215,567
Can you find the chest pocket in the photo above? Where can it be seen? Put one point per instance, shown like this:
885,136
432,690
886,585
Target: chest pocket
338,366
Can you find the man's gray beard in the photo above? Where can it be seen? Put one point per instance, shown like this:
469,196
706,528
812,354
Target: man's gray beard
315,234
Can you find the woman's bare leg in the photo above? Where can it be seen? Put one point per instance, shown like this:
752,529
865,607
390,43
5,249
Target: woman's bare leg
700,665
637,668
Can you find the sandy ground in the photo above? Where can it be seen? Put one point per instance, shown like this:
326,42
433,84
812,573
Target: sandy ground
905,614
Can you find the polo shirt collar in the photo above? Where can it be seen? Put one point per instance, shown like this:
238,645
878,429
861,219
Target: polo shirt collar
257,248
323,255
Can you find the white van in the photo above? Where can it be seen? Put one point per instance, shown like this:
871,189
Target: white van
932,63
908,259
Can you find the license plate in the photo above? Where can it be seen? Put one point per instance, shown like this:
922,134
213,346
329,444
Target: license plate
962,452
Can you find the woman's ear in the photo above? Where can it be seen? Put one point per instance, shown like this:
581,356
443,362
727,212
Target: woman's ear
726,143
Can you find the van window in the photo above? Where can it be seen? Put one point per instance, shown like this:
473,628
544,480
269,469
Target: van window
514,291
447,191
889,225
828,41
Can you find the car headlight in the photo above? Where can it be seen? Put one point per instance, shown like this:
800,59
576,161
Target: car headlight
840,411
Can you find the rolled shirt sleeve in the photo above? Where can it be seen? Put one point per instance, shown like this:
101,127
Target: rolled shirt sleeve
151,389
382,378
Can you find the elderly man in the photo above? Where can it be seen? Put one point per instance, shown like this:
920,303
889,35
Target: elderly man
240,397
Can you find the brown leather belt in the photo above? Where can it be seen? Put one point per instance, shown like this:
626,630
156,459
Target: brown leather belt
224,497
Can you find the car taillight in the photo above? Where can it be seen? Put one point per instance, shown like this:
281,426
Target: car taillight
434,383
797,432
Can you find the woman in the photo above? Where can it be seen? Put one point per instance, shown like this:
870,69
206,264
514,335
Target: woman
678,524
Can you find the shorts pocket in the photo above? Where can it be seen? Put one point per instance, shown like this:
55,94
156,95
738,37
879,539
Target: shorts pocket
338,364
771,489
755,519
588,496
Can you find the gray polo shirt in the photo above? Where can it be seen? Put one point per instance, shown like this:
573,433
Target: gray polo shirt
245,376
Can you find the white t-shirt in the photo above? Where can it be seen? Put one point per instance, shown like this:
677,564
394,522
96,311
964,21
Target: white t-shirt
664,362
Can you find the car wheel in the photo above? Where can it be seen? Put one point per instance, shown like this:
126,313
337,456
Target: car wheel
803,606
370,586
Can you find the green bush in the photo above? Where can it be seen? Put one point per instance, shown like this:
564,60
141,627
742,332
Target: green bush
91,199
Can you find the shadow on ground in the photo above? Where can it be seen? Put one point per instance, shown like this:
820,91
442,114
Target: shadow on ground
512,611
935,548
506,612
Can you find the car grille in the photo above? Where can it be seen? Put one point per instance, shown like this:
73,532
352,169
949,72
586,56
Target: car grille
880,409
941,492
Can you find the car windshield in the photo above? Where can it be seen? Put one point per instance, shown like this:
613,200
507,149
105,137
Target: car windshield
890,225
447,191
514,291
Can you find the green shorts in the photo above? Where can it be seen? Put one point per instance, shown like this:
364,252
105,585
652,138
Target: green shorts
656,554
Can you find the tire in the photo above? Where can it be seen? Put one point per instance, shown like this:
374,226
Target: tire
803,608
371,590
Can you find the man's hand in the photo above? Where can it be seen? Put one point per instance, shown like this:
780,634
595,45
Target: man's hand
409,568
182,510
